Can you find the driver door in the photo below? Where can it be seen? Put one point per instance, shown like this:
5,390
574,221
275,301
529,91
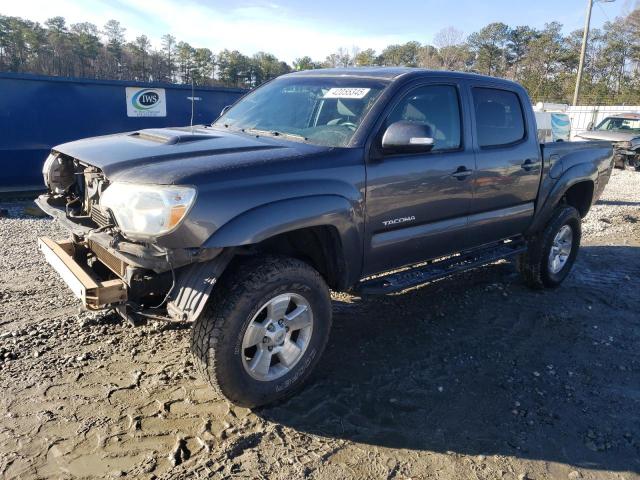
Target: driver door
417,203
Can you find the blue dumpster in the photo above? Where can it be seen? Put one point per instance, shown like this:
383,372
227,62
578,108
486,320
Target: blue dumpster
38,112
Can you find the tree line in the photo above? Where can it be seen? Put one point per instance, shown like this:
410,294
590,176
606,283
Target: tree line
544,60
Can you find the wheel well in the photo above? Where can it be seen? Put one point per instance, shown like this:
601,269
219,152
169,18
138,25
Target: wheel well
580,196
320,247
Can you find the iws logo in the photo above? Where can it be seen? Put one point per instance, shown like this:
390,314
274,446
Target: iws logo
146,102
145,99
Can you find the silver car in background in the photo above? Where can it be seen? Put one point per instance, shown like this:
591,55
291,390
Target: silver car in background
623,131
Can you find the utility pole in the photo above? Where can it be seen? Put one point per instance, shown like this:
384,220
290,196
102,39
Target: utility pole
583,51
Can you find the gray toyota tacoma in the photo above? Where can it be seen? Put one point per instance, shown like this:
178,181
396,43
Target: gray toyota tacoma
369,181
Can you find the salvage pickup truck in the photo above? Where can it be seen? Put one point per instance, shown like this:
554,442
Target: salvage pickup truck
623,131
369,181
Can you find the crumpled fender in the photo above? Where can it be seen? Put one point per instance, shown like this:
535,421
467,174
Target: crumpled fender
193,285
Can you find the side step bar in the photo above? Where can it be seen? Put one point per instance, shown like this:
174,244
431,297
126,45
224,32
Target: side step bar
439,269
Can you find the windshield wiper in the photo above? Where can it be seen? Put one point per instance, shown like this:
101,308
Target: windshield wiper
272,133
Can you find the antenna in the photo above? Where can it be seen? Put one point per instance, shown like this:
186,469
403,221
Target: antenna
193,100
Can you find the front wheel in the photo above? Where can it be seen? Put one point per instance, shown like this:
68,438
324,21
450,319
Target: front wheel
551,254
264,329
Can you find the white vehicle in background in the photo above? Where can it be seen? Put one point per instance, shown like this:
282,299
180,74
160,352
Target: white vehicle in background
554,124
623,131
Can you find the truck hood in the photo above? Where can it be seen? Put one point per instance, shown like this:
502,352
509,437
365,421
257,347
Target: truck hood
180,155
611,135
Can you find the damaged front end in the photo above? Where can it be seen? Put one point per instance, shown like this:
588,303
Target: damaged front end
108,266
626,155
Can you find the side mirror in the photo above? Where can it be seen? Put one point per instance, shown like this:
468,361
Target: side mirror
224,110
407,137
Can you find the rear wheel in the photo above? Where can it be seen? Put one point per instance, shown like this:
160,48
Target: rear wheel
263,330
551,254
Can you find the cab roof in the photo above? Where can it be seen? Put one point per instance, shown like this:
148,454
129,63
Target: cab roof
394,73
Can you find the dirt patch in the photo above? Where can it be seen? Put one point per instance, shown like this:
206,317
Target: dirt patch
472,377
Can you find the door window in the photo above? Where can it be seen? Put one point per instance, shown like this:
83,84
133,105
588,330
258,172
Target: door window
499,118
436,106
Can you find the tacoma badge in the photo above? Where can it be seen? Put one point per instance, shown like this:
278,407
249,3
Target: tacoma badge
398,220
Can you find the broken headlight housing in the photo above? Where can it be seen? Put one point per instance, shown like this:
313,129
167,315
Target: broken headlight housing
58,173
144,212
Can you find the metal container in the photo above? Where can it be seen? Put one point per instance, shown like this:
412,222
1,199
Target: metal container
38,112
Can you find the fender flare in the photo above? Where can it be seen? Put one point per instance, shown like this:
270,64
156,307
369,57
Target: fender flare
268,220
582,172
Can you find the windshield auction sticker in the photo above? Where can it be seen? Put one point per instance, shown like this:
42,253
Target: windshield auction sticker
346,92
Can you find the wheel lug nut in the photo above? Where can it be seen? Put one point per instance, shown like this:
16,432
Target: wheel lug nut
270,348
286,329
265,340
271,328
280,322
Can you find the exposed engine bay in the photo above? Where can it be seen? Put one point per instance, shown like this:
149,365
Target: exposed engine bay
80,187
105,267
97,245
625,157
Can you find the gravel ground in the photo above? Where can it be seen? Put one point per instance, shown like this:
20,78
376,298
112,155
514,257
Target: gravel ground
472,377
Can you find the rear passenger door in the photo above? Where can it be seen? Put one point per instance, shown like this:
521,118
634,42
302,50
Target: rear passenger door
508,165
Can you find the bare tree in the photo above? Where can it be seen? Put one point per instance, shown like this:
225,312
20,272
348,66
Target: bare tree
168,50
448,37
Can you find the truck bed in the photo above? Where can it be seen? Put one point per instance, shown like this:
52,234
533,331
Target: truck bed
590,157
596,150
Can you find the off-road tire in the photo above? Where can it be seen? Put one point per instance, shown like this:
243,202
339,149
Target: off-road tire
216,336
533,264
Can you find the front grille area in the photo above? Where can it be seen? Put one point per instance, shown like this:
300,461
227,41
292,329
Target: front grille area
113,263
102,219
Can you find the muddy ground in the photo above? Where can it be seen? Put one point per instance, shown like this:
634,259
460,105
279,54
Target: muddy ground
473,377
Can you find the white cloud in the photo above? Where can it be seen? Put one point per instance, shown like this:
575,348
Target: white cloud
249,29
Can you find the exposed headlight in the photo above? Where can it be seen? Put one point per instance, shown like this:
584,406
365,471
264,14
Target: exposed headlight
58,173
146,211
47,167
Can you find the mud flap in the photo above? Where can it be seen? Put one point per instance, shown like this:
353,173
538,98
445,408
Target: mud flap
193,287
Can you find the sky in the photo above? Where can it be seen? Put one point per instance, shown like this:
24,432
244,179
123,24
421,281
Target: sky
290,29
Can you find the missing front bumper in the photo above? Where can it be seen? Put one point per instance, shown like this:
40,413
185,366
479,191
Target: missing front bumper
94,293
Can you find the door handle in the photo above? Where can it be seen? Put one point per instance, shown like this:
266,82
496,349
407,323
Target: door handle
461,173
529,165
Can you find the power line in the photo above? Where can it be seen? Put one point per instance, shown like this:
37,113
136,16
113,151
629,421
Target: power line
603,12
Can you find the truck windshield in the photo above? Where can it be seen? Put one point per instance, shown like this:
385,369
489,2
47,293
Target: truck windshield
321,110
620,123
